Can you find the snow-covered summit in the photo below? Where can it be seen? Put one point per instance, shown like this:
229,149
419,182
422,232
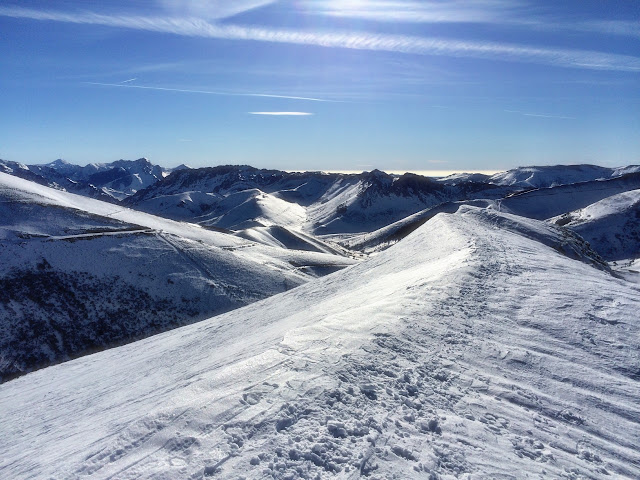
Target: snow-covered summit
58,163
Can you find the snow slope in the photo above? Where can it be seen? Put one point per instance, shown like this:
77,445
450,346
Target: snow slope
78,275
611,226
278,236
471,349
254,208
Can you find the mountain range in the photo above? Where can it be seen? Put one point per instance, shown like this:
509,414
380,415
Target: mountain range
255,323
105,181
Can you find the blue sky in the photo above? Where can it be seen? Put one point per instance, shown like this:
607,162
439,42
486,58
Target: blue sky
397,85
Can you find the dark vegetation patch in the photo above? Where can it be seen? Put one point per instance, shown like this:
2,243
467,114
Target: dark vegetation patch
47,317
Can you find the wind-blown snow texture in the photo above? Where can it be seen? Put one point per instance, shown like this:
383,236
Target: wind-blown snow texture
467,350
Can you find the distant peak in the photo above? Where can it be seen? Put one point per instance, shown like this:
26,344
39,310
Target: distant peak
59,162
376,174
182,166
143,160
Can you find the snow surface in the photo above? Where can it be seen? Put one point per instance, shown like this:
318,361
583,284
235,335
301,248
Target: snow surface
468,350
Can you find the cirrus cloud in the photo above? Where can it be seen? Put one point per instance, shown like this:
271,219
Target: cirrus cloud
196,27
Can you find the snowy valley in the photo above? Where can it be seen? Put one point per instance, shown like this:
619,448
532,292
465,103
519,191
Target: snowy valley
263,324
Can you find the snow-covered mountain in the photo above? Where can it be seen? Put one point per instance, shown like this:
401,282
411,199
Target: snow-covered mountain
110,182
601,211
78,275
118,179
556,175
367,212
242,197
473,348
50,177
544,203
611,225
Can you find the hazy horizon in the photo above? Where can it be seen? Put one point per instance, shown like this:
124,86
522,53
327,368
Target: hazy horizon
390,171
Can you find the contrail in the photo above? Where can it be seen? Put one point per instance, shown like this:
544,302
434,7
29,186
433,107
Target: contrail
293,114
208,92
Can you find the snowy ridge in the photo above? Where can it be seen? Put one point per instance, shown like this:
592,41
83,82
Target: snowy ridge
556,175
544,203
464,350
457,178
384,237
333,204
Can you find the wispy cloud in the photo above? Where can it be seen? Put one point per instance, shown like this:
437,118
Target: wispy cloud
283,114
599,27
540,115
208,92
611,27
360,41
502,12
211,9
424,11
